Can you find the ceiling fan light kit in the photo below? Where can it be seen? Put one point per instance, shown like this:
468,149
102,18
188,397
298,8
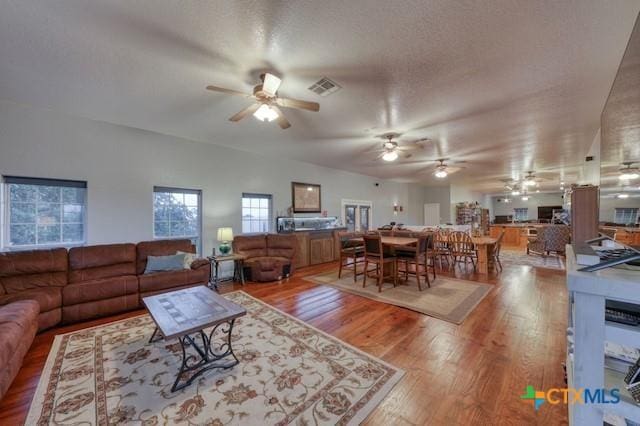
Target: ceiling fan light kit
390,156
265,113
441,173
267,102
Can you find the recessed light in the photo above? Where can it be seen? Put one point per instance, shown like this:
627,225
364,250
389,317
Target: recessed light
516,192
623,195
525,198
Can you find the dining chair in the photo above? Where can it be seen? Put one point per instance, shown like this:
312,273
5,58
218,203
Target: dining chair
462,249
441,247
375,254
351,253
495,254
413,258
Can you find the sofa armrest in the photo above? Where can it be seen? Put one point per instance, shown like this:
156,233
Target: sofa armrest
199,263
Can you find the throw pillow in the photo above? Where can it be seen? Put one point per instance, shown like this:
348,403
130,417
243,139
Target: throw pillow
188,258
164,263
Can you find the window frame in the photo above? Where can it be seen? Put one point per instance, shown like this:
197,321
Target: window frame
5,216
270,218
633,210
169,189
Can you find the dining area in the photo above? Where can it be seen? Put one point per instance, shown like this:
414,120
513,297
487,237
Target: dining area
393,256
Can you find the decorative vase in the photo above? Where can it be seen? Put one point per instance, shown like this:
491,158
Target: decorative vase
224,248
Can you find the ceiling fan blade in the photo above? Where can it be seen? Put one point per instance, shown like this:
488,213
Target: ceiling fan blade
282,120
271,84
229,91
247,111
295,103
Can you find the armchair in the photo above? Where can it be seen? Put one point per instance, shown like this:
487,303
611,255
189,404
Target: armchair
552,238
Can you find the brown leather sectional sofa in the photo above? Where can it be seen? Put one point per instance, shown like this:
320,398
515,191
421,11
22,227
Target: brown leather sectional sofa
268,257
43,288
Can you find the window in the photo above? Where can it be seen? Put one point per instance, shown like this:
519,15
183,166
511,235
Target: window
626,216
521,214
44,212
177,214
256,213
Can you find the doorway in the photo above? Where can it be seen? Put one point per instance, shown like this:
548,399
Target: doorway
432,214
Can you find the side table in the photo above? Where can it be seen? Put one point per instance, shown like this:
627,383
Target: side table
238,269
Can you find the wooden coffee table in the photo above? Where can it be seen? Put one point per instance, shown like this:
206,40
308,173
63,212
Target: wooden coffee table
184,315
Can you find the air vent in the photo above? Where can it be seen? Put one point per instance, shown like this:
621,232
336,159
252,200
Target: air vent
324,87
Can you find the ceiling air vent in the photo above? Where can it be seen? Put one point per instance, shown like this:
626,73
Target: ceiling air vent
324,87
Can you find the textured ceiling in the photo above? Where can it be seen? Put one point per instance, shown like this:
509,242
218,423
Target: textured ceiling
507,86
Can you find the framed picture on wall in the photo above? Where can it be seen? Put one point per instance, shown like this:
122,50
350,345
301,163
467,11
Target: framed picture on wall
305,197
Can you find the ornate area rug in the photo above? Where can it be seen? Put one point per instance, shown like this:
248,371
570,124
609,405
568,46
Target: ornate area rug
289,373
520,257
449,299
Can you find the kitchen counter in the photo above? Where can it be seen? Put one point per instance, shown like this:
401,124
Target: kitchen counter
313,230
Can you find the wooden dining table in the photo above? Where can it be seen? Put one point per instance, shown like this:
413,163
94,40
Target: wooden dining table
391,242
484,247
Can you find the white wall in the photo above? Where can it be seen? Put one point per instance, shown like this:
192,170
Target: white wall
608,204
590,173
442,196
535,200
122,165
415,212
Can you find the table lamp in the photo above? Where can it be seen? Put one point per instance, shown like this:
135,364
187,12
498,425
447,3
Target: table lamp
225,235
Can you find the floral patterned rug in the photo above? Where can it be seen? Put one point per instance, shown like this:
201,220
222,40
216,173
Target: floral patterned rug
520,257
289,373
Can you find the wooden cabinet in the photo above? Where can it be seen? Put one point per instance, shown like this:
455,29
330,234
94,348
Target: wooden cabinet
316,247
321,249
512,234
302,257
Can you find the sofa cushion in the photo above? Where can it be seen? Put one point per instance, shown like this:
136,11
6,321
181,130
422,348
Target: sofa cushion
48,298
250,245
164,263
160,248
281,245
267,262
26,270
96,290
167,280
101,261
18,326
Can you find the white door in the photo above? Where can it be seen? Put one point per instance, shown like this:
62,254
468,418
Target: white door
432,214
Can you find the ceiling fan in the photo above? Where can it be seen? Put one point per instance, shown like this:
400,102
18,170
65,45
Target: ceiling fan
443,169
268,103
531,179
628,172
391,150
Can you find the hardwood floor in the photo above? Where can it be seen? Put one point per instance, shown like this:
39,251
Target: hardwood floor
471,374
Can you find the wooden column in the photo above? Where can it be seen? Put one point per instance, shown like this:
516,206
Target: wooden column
585,211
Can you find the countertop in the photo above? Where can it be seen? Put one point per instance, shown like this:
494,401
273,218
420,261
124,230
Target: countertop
311,230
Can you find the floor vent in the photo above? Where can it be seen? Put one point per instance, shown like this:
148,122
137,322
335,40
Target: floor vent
324,87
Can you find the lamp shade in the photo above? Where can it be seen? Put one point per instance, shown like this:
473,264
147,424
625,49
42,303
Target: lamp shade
225,234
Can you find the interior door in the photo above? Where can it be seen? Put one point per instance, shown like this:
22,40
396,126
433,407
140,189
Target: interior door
432,214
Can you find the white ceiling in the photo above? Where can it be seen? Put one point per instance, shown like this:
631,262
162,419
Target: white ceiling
507,86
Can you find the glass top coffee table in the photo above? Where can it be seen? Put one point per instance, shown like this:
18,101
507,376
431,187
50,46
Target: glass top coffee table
184,315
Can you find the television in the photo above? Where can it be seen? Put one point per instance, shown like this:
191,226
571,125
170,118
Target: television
546,212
